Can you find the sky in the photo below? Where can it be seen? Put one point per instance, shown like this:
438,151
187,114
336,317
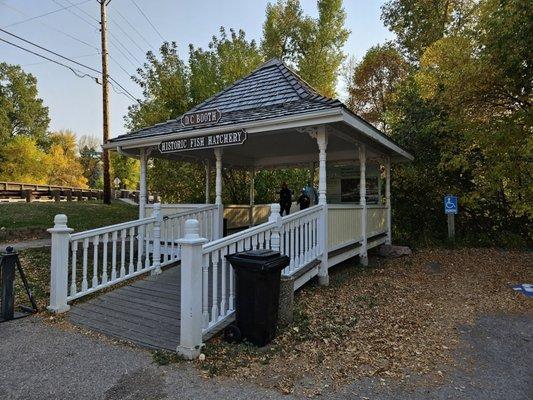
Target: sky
76,103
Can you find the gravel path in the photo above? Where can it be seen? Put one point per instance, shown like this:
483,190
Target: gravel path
40,361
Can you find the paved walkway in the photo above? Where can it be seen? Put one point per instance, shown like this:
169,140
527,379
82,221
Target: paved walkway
27,244
41,361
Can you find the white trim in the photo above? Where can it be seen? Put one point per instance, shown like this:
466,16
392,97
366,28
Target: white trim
293,121
374,135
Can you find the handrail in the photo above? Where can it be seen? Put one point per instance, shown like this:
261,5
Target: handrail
111,228
222,242
192,211
348,206
301,213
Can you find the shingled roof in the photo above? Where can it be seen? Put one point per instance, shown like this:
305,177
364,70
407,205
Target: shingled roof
271,91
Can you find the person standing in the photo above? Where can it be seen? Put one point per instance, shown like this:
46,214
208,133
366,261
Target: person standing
304,200
285,199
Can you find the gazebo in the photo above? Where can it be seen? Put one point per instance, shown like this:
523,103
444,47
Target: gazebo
270,118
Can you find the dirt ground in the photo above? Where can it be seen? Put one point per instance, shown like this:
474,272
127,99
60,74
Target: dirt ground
398,319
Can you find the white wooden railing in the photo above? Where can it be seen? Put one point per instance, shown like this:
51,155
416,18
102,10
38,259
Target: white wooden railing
218,281
376,220
344,225
299,238
85,262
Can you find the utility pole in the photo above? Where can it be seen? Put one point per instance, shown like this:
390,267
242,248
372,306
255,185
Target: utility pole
105,99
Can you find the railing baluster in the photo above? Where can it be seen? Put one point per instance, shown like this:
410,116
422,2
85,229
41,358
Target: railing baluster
114,256
95,261
84,283
205,290
140,245
223,294
73,284
231,298
302,243
214,289
105,239
130,265
147,248
123,253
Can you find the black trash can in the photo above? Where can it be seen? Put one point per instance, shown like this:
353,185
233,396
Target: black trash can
258,274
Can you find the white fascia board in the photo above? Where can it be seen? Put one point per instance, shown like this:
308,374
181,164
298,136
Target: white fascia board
293,121
375,136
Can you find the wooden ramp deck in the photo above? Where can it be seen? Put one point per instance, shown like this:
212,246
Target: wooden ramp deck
145,312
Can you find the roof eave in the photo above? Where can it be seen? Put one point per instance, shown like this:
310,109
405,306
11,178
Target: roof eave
375,134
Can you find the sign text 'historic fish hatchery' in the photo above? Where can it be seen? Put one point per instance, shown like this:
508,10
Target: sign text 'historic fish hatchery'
202,142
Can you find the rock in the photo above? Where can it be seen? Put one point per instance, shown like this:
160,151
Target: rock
392,251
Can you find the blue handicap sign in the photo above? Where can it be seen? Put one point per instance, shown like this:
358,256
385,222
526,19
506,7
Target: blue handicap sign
450,205
524,288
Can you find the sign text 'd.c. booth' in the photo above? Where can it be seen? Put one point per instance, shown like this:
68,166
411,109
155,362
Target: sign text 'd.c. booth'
202,142
201,117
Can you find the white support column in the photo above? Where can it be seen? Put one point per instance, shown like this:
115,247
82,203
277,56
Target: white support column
59,264
142,184
219,226
191,291
207,181
275,216
363,255
322,140
387,201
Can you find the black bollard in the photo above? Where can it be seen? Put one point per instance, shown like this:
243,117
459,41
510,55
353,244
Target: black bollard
7,271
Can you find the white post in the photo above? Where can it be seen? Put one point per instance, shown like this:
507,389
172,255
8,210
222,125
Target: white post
363,255
275,216
387,201
59,264
142,185
322,140
191,291
207,180
219,224
156,255
379,185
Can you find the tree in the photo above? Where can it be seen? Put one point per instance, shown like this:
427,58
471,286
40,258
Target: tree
127,169
21,111
311,46
64,167
90,159
24,161
419,23
374,81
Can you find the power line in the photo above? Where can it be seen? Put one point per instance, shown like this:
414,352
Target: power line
76,72
51,27
74,58
45,14
97,27
132,27
50,51
148,19
63,57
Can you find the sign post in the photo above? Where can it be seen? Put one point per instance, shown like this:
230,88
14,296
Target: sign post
450,209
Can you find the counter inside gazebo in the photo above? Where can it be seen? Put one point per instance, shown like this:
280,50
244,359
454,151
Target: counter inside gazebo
269,119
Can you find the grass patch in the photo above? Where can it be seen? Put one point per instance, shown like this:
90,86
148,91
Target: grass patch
161,357
30,220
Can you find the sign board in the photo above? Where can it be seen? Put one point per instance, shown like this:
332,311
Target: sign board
450,205
201,117
203,142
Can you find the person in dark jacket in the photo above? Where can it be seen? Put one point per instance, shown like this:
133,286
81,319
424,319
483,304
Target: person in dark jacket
285,199
304,201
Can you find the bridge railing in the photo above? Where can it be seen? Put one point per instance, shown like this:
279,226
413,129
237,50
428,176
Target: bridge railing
89,261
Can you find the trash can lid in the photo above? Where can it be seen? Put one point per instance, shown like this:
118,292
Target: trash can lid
259,254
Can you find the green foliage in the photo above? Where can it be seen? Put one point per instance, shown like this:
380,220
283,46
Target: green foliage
419,23
90,160
21,111
312,46
127,169
23,161
374,81
465,113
